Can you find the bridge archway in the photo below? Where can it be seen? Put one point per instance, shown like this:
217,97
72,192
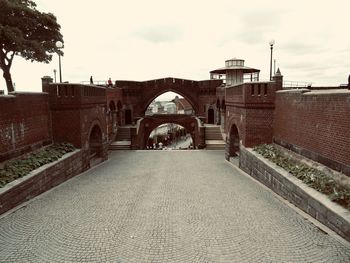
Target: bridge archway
154,96
169,103
95,143
186,88
233,142
171,136
149,123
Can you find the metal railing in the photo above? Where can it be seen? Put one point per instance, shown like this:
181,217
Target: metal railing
296,84
96,82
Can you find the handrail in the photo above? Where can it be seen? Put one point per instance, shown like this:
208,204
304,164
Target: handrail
96,82
296,84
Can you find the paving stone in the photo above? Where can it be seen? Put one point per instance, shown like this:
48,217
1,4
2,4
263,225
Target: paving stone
163,206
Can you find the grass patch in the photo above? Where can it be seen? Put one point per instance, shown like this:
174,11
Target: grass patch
21,167
310,176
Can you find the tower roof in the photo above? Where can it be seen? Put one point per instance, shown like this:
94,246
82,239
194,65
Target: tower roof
234,64
244,68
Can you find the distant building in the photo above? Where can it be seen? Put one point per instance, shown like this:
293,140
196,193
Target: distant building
183,106
170,108
235,72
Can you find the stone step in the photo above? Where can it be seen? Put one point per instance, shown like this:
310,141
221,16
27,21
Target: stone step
213,137
120,145
215,144
123,134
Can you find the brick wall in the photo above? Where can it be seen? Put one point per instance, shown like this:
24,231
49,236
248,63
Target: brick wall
315,124
250,107
24,123
75,110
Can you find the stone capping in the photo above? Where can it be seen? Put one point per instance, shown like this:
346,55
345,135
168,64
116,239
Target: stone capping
40,180
295,191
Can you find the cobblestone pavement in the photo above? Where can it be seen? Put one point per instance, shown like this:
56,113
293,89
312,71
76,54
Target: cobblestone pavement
163,206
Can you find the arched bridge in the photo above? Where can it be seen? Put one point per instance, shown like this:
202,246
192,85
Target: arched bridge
191,123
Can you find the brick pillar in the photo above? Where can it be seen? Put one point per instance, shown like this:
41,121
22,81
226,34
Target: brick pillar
278,78
45,81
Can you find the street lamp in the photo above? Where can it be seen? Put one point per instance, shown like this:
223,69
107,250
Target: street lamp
272,42
59,45
54,72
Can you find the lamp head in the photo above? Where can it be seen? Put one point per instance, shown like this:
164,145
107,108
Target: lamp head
272,42
59,44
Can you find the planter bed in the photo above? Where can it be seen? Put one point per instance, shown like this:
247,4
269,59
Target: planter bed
40,180
294,190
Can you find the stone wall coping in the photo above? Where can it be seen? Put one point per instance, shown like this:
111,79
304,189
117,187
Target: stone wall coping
316,92
322,198
302,90
28,93
329,92
35,172
4,96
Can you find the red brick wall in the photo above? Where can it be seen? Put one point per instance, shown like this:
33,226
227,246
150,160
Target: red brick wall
315,124
74,108
24,123
251,111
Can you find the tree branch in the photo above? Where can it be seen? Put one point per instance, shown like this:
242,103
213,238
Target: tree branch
9,59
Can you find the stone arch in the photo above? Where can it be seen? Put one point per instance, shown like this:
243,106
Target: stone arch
95,141
173,136
152,95
149,123
210,115
233,142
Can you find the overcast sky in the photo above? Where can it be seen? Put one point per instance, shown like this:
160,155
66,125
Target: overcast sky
143,40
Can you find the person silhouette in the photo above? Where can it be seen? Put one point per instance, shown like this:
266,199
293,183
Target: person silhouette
110,83
91,80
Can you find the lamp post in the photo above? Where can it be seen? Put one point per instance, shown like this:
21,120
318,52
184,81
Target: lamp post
272,42
59,45
54,72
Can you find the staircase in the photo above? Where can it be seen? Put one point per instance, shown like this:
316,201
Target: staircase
213,138
122,140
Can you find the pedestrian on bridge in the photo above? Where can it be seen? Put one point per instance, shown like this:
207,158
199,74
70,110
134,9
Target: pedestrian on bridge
110,83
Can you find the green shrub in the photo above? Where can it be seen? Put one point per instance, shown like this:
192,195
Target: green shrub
19,168
310,176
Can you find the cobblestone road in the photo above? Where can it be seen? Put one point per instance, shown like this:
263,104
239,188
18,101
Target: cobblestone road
163,206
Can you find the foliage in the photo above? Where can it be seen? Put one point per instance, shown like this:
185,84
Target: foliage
26,32
19,168
311,176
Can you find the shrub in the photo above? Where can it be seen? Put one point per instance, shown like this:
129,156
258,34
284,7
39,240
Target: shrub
21,167
310,176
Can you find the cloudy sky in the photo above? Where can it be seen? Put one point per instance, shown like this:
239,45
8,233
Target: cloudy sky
142,40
